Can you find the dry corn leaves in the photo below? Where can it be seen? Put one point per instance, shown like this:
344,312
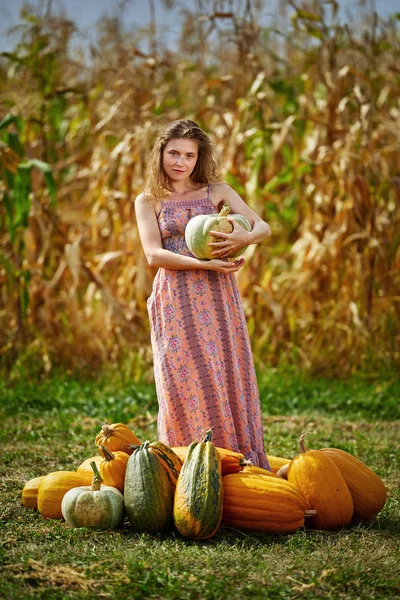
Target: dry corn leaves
315,152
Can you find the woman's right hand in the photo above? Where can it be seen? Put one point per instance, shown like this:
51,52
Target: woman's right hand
224,266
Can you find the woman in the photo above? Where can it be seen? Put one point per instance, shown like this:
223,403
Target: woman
203,365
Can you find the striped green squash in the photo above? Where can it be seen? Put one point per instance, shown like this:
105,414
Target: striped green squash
169,460
148,494
198,494
197,232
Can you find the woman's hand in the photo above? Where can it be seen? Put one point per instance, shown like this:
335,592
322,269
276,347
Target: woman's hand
223,266
230,242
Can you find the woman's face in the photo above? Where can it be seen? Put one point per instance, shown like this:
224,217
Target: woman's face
179,158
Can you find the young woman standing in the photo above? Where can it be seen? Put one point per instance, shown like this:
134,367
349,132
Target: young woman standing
203,365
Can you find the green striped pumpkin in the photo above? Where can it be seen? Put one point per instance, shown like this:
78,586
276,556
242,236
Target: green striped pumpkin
198,494
197,232
148,494
168,459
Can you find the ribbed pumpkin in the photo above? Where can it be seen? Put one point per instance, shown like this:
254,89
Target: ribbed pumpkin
148,494
276,462
30,492
260,502
53,488
366,487
197,232
324,487
85,465
117,436
168,459
93,506
231,462
198,494
112,468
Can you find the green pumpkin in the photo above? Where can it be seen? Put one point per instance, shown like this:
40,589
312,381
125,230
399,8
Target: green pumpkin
198,236
148,494
93,506
198,494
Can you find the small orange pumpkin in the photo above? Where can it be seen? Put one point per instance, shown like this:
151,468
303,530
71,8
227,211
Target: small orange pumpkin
117,436
112,467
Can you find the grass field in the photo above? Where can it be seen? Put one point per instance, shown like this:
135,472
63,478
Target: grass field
51,426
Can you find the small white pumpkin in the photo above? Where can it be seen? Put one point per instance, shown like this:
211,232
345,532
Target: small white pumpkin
198,236
93,506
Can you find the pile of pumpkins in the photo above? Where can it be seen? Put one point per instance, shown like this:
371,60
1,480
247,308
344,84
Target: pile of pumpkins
197,488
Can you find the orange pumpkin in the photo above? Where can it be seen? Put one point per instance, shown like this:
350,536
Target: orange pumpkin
259,471
231,461
117,436
30,492
112,467
276,462
324,487
85,466
366,488
262,503
53,488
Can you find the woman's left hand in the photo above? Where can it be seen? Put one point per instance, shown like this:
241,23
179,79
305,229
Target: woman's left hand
230,242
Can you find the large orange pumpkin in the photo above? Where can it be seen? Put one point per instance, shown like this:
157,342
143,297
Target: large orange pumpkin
366,488
30,492
260,502
53,488
324,487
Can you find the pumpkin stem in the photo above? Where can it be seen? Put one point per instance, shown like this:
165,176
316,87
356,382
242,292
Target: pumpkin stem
131,447
225,210
97,479
145,445
310,512
243,462
302,443
107,430
208,435
107,455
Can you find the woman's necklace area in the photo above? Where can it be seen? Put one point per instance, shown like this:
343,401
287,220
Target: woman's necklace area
179,196
189,190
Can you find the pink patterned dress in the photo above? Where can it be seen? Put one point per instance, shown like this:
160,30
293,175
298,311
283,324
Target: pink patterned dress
203,364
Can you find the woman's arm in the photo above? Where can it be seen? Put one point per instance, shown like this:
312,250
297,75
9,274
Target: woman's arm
158,257
239,237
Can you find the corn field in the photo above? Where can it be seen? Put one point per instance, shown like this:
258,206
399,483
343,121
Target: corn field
305,114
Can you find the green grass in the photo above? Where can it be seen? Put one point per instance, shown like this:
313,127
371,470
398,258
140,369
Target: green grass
52,425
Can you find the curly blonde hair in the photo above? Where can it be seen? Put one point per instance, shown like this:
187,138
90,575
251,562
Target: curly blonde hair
205,171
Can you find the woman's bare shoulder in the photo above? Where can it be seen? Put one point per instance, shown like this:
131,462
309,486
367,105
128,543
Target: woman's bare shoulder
144,200
221,189
140,198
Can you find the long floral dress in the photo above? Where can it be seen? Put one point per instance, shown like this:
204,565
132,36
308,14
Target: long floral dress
203,365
